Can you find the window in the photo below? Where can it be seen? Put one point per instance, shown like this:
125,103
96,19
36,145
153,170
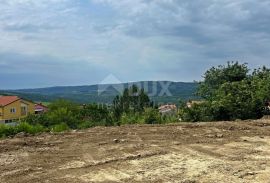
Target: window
13,110
8,121
23,110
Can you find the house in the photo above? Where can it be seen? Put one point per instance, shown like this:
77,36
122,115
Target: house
168,109
40,109
13,108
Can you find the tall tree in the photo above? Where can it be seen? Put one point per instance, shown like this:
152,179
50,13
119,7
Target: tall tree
230,93
216,76
133,99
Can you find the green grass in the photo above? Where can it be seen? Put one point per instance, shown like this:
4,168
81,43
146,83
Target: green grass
6,131
60,128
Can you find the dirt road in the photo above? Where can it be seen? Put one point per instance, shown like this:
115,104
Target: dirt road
187,153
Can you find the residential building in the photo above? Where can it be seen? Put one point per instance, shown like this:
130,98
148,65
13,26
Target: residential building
168,109
40,108
13,108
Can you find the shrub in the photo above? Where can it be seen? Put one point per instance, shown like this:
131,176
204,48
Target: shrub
30,129
86,124
6,130
41,119
152,116
97,113
169,119
70,106
198,112
60,127
132,118
63,115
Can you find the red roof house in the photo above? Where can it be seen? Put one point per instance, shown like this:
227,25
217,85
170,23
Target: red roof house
5,100
39,108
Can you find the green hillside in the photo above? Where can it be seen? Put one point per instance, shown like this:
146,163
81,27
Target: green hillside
106,93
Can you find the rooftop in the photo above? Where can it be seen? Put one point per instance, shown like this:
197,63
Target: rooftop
5,100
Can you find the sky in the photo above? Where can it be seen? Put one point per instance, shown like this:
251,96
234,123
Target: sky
83,42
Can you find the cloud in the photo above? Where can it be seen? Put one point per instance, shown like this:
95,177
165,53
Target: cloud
132,39
46,71
28,28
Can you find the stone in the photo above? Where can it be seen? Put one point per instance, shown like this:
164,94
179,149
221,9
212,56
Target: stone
116,140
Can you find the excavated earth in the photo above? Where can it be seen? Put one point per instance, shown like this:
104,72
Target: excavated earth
183,153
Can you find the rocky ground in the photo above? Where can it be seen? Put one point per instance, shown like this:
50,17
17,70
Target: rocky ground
188,153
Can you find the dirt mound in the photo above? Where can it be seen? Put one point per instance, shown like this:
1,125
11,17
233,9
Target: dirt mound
187,153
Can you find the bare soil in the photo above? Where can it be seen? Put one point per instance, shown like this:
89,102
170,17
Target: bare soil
188,153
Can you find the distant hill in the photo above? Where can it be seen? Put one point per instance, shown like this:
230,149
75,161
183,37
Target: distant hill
106,93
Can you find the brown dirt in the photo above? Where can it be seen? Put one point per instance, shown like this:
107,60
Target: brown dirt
187,153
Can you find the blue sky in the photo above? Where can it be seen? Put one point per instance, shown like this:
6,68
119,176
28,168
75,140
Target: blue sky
81,42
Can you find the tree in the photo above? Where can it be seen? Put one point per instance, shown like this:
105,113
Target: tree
63,112
152,116
236,101
117,109
230,93
97,114
133,100
216,76
61,103
63,116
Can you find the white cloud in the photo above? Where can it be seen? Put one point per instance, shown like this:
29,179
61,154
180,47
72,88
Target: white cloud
135,39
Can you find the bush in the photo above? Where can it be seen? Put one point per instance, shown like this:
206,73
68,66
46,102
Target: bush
63,115
70,106
98,114
169,119
41,119
86,124
132,118
27,128
231,92
152,116
60,127
6,130
198,112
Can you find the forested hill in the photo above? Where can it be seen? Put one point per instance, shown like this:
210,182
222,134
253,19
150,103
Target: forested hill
106,93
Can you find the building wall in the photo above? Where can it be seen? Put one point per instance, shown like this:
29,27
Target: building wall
1,116
31,106
7,115
1,113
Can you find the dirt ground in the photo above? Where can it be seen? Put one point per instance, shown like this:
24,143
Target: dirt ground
183,153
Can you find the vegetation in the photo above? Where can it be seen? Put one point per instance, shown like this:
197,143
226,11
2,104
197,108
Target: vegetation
90,94
133,100
133,106
231,92
6,130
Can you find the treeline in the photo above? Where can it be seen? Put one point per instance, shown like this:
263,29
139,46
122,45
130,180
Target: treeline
92,94
132,107
231,92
